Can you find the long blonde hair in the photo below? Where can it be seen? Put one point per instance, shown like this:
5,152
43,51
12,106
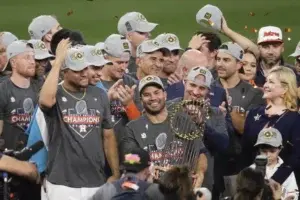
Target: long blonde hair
288,80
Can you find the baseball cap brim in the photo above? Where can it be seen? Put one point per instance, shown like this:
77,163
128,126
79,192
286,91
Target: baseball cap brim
43,56
295,54
101,63
151,84
265,41
146,27
79,67
229,53
266,143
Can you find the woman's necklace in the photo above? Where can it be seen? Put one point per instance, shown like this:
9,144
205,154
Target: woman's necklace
79,99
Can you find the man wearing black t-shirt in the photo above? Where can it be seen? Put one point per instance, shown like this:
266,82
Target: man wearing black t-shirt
18,95
152,132
79,127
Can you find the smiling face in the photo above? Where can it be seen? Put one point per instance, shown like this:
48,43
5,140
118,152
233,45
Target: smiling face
151,63
273,88
153,99
249,66
117,70
193,91
78,79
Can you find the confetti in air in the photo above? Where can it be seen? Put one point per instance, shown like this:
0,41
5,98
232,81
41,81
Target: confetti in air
287,30
289,39
246,27
252,14
70,12
254,30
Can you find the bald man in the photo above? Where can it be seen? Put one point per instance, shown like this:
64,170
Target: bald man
188,60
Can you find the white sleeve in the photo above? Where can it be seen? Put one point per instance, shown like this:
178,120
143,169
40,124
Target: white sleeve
289,187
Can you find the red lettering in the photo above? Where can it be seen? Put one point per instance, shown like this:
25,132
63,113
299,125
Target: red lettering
92,120
270,33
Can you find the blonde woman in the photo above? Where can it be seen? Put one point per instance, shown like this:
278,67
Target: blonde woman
281,112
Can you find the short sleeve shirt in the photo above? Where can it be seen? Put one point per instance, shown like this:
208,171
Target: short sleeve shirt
76,153
16,108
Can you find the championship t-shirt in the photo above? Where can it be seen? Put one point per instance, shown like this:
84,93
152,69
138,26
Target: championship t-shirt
76,154
164,147
16,108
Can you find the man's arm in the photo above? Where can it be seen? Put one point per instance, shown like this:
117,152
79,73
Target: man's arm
20,168
244,42
48,92
111,151
200,170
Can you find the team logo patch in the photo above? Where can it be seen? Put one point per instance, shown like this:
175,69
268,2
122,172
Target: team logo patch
77,56
268,135
125,45
171,40
141,17
31,33
96,52
40,46
128,26
207,15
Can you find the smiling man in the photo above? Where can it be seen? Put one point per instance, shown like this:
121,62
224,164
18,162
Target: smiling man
79,124
136,28
271,47
150,59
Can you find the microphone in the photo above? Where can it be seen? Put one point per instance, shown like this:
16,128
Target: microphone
27,152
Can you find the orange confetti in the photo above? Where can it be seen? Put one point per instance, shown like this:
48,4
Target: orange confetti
254,30
287,30
70,12
252,14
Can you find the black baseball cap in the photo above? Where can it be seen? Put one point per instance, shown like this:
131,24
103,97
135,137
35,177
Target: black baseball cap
136,160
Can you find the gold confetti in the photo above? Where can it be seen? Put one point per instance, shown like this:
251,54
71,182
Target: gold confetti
252,14
70,12
254,30
287,30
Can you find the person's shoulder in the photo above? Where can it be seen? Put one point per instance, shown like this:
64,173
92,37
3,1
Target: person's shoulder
259,110
136,122
96,90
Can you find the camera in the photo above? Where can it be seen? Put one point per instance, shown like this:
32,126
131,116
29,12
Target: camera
261,163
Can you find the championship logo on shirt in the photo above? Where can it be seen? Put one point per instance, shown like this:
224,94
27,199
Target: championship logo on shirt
22,116
81,119
117,111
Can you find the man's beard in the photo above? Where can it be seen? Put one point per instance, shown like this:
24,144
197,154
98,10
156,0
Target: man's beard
155,112
272,62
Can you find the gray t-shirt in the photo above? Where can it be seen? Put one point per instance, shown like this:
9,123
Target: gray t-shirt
16,108
244,95
118,113
76,155
161,143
